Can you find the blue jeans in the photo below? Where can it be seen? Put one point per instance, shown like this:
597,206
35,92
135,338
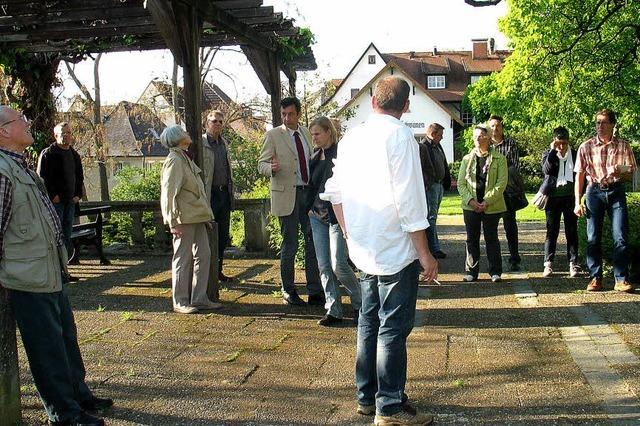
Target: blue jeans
331,252
614,202
66,211
434,198
386,319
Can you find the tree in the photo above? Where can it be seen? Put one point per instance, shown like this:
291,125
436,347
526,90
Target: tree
570,58
96,121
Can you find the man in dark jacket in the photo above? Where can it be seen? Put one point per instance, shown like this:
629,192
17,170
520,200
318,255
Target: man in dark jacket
61,169
437,178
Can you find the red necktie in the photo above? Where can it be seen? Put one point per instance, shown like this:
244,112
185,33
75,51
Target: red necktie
301,158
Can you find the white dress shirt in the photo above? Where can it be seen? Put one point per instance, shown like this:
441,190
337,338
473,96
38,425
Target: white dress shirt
378,180
307,154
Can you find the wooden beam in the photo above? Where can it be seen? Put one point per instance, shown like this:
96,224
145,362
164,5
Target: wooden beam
267,67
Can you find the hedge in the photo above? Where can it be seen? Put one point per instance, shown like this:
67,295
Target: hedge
633,239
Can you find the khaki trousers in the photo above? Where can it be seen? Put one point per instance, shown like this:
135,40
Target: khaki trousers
190,266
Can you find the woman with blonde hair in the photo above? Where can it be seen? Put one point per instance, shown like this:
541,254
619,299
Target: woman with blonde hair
482,180
329,243
187,212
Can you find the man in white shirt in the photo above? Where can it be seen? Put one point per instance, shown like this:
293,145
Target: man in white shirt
379,199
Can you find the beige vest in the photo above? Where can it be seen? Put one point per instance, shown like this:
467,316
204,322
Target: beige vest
31,259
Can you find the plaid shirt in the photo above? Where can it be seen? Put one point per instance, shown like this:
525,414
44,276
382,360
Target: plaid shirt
598,160
6,200
509,149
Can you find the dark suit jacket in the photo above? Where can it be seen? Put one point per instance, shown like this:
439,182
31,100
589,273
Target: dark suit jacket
550,168
426,161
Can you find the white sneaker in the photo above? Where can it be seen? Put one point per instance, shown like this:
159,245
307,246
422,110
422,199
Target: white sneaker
496,278
185,309
208,306
404,417
548,270
468,278
574,270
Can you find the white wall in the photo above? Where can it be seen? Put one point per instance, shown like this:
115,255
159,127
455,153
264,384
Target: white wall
362,73
422,111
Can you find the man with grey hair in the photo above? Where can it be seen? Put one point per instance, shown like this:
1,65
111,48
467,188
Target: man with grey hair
60,167
437,178
382,210
32,270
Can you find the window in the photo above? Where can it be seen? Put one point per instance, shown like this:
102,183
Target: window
436,82
476,77
354,92
372,59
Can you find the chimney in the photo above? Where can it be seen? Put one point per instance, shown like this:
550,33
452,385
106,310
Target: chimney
491,46
435,51
480,46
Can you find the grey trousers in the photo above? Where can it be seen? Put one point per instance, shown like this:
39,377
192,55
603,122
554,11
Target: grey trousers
190,266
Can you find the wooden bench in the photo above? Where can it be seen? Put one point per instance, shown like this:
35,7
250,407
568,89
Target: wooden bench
89,233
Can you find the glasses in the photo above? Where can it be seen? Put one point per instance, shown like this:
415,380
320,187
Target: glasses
21,117
215,121
602,122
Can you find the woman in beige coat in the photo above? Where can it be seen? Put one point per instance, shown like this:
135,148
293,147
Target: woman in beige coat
186,210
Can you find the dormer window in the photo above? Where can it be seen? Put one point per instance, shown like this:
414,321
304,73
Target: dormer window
372,59
354,92
436,82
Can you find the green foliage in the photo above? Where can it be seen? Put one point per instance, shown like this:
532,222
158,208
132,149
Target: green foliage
454,168
570,59
531,172
633,239
290,48
244,154
134,184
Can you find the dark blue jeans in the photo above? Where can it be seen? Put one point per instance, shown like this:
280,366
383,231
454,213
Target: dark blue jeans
386,320
66,212
613,202
289,230
50,340
221,207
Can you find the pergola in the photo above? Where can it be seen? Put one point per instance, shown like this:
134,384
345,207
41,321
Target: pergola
36,35
71,29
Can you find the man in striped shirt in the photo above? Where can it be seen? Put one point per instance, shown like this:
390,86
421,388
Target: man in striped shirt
507,147
33,273
606,162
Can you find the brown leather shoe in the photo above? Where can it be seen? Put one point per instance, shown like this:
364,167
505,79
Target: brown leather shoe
595,284
624,286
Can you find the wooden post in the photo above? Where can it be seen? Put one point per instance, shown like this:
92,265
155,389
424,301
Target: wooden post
10,413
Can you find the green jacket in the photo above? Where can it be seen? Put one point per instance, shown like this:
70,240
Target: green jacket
497,177
31,259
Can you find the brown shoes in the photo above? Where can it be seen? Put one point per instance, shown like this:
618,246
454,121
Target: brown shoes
595,284
624,286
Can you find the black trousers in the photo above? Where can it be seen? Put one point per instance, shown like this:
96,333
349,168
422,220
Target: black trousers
489,222
511,231
221,207
50,339
557,208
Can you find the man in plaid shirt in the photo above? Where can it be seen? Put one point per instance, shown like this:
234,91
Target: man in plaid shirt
606,162
33,272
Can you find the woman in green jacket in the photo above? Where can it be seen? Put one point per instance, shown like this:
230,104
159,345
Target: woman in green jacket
482,179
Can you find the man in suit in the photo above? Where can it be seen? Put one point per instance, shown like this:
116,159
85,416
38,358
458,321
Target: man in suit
285,160
218,181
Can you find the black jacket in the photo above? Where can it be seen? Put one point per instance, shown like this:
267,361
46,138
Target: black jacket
550,168
426,162
51,170
321,171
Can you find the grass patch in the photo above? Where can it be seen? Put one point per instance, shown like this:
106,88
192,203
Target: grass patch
451,205
234,356
458,383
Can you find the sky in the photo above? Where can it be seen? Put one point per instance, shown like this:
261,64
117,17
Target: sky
342,28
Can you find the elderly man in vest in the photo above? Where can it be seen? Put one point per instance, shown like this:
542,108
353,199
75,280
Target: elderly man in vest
32,270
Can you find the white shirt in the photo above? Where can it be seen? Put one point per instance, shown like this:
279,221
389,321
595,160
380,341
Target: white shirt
307,154
378,180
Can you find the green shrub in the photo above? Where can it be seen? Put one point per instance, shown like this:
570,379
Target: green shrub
134,184
633,240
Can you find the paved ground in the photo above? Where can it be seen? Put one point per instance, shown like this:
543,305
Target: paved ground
526,351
